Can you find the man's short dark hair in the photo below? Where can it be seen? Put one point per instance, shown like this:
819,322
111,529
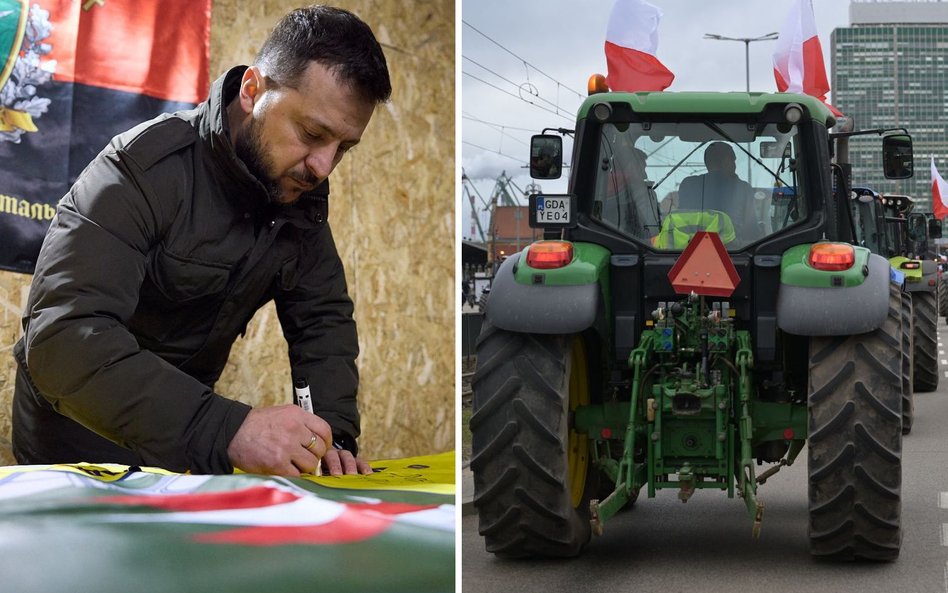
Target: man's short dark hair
718,153
333,37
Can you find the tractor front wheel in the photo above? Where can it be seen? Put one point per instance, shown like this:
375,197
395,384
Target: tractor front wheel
532,472
855,442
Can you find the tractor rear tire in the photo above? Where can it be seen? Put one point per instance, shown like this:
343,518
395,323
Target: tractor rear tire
532,474
908,389
855,442
925,337
942,297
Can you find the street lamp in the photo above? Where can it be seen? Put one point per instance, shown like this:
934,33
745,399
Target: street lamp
747,64
747,41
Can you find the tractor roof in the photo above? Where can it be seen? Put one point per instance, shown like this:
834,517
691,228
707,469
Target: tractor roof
710,103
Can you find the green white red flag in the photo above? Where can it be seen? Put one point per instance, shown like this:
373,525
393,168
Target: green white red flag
109,529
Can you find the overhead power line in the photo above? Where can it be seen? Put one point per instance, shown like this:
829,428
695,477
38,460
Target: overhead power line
525,62
555,107
500,128
520,86
527,92
519,160
506,92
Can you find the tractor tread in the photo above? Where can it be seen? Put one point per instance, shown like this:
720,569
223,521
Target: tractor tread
843,496
535,466
542,430
834,423
503,481
843,375
538,506
942,296
855,444
519,446
881,408
925,336
498,443
509,387
908,382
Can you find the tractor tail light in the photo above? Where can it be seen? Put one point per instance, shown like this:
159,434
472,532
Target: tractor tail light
909,265
546,255
832,257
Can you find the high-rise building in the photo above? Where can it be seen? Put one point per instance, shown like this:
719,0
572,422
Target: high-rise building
889,70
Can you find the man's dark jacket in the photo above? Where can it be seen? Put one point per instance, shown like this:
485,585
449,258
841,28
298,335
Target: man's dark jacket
155,262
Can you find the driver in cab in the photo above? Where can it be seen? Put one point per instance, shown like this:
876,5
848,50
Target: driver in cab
722,190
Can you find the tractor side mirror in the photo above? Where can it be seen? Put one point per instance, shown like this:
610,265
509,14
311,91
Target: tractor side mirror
897,160
546,156
775,150
934,228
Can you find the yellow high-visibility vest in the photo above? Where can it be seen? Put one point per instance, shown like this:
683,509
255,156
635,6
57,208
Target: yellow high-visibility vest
679,227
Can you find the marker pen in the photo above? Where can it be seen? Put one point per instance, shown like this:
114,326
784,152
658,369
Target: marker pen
303,397
305,400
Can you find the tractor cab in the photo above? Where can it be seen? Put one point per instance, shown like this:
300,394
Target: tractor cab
869,220
651,179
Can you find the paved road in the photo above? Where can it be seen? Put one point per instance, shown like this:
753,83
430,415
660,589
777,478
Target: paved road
706,544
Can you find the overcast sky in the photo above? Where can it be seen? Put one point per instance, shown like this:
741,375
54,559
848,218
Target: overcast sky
559,43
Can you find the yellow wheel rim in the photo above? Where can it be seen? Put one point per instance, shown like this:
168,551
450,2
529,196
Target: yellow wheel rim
577,443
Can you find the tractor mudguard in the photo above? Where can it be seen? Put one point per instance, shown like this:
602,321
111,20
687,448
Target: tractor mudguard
921,286
911,269
928,281
563,301
835,310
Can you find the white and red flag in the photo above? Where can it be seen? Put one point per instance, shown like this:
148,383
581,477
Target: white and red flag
798,58
631,43
939,193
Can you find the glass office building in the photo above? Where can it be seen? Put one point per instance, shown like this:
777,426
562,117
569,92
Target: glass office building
889,70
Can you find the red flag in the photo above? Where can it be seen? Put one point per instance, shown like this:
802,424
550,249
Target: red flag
155,49
631,42
798,58
72,75
939,194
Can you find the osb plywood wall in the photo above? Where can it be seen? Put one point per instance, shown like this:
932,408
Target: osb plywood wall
13,290
392,214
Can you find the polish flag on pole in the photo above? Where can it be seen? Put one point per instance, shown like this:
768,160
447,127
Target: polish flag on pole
798,58
939,193
631,42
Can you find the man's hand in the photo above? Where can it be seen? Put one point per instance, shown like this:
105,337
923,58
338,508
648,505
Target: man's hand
276,440
340,461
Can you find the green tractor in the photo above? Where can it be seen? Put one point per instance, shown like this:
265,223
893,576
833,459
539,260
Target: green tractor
929,247
885,236
926,229
677,329
909,253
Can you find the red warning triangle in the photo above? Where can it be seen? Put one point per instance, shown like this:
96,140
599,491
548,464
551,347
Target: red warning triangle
704,268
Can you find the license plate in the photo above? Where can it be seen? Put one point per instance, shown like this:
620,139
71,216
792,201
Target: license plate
554,211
